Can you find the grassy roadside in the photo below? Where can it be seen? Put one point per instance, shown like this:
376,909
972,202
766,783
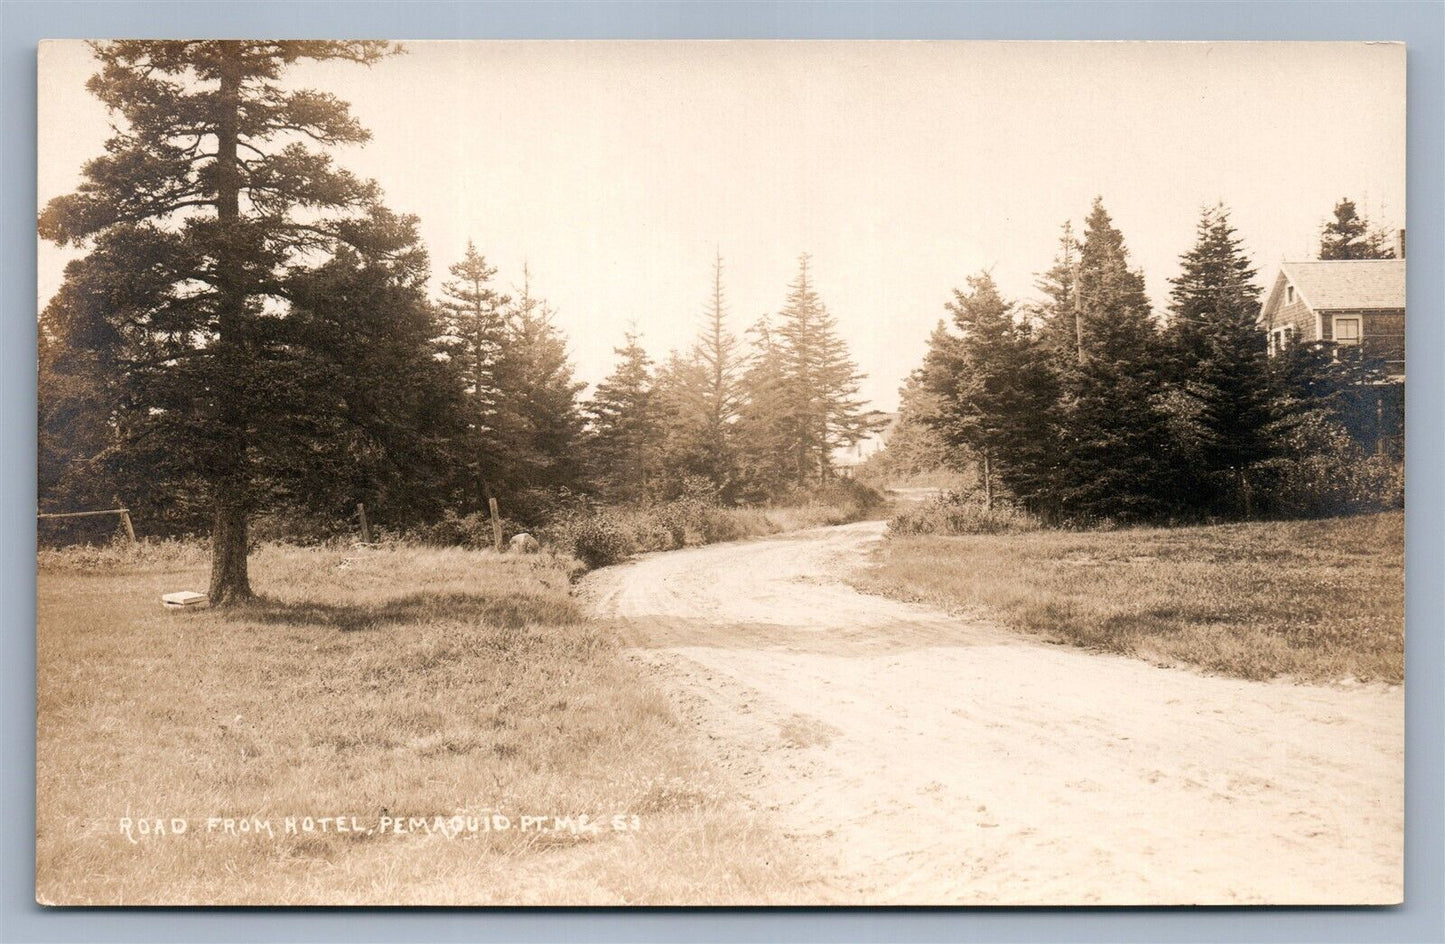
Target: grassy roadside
391,683
1312,600
609,535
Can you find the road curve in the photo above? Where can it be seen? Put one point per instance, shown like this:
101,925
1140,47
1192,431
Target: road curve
918,758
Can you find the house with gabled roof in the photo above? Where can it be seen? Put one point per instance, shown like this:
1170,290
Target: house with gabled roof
1343,302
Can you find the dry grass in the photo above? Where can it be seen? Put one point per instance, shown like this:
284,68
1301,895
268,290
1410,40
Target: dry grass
603,536
381,683
759,522
1313,600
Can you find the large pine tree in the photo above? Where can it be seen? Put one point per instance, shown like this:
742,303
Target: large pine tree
474,339
1220,361
821,382
1059,317
702,395
211,202
766,427
1118,459
997,393
1349,236
538,425
624,440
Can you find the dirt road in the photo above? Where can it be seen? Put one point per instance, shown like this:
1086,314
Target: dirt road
922,759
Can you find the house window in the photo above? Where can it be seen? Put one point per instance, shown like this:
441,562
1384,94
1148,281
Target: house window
1347,331
1289,294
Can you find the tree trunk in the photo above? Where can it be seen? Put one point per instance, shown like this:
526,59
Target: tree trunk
229,581
825,459
987,483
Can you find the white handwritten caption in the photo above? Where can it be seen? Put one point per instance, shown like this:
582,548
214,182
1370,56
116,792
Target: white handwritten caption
141,829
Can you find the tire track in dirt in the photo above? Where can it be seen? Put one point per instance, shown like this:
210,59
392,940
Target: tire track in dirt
920,758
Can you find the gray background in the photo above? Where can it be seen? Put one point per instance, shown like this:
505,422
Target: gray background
1420,24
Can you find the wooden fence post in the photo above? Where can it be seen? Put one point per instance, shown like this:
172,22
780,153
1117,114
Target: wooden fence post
365,530
129,528
496,525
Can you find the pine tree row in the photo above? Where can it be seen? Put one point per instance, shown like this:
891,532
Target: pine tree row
739,423
1086,407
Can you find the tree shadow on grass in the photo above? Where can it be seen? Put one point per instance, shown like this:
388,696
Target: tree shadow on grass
504,612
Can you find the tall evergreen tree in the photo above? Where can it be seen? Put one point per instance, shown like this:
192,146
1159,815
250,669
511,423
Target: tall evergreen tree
624,439
1215,282
373,416
703,395
997,394
1117,458
206,208
822,382
765,431
539,421
74,414
475,333
1220,354
1349,236
1059,318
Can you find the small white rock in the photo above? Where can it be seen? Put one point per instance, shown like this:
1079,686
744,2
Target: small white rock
523,544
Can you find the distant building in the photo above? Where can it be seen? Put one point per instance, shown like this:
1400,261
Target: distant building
1348,302
845,458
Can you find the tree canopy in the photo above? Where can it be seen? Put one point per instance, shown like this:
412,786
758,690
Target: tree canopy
219,234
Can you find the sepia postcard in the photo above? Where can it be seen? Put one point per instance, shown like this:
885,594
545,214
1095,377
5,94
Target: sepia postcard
757,473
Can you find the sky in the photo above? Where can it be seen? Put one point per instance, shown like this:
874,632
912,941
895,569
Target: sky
615,171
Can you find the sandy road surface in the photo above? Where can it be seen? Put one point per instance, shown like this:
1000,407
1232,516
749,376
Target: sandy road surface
919,758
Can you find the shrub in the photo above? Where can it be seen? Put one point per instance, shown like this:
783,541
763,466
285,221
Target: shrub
847,499
958,513
596,538
472,531
1325,472
602,536
534,507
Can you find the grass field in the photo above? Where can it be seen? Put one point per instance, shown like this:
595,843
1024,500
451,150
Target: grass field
1313,600
384,685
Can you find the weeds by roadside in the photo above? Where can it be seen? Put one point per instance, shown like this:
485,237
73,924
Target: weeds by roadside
602,536
957,513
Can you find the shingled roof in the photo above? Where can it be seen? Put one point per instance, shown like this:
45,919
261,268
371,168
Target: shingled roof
1339,285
